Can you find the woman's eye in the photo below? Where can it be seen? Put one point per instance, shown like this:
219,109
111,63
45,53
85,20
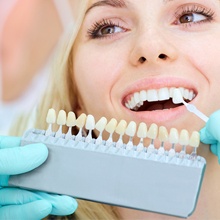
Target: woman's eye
191,17
109,30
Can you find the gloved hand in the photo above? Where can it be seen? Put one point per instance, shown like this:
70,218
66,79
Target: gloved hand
23,204
210,134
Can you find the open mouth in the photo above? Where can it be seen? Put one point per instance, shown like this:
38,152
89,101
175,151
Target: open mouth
152,100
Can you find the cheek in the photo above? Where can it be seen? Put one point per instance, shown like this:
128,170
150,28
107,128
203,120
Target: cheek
95,75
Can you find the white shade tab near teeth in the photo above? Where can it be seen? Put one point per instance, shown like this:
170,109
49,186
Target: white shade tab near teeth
81,120
163,134
90,122
142,130
111,126
121,127
61,118
174,136
51,116
153,131
131,129
50,119
71,119
194,140
100,125
184,137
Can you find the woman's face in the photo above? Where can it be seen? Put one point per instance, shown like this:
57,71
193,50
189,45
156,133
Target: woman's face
128,49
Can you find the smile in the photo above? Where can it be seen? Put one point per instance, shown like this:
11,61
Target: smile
151,100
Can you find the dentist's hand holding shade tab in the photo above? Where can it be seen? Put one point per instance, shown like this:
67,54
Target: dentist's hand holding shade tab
19,203
210,134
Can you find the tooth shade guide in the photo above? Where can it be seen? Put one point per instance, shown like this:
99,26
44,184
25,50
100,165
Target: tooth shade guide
160,140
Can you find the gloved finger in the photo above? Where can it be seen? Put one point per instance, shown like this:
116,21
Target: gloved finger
16,196
31,211
212,126
8,142
206,137
215,149
22,159
62,205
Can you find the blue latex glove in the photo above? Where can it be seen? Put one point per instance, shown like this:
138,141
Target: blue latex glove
23,204
210,134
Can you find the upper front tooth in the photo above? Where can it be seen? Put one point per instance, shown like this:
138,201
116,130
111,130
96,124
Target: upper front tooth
163,94
152,95
143,95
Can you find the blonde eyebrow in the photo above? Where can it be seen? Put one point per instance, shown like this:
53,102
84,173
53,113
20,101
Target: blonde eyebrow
112,3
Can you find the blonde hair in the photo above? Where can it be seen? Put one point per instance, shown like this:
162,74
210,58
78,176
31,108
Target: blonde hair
62,94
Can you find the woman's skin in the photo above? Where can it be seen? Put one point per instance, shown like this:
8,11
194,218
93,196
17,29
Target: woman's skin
129,46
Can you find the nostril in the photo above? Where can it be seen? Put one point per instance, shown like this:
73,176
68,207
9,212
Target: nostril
163,56
142,59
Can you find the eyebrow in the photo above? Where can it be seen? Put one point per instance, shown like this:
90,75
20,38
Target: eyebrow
112,3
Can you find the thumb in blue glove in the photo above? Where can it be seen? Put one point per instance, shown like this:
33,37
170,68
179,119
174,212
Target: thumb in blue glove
210,134
22,203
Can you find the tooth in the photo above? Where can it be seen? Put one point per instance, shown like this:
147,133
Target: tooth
120,129
171,92
186,94
143,95
80,122
110,128
61,120
184,141
184,137
50,119
131,129
177,96
163,94
181,90
194,140
163,134
152,95
142,130
70,122
137,97
173,139
71,119
90,122
100,126
90,125
152,132
141,133
132,102
173,136
191,95
51,116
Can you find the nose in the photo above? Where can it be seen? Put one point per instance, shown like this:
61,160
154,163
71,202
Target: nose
152,47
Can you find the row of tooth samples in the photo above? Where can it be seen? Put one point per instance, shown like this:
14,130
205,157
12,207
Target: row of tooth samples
122,128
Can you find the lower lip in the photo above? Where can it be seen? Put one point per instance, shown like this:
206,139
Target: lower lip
159,116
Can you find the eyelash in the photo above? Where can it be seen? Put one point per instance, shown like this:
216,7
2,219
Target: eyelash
93,32
190,9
